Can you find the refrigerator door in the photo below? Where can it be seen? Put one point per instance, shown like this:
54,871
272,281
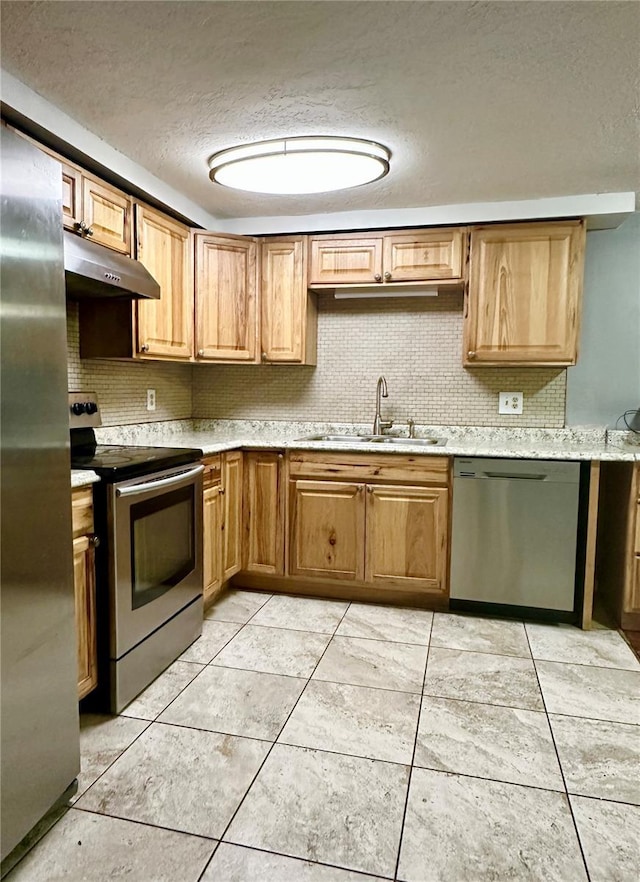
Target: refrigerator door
40,740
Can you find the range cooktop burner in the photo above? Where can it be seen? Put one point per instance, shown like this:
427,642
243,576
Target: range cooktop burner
115,463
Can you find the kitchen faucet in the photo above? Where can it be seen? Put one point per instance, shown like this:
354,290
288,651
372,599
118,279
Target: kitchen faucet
381,391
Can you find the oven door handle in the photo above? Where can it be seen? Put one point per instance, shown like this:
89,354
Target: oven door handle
157,484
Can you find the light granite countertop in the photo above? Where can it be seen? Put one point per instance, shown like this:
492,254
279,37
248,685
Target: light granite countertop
215,436
81,478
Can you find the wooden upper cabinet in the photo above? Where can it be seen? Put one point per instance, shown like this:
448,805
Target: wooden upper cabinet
406,530
288,309
107,212
344,260
424,255
525,291
225,300
71,197
263,511
165,326
388,257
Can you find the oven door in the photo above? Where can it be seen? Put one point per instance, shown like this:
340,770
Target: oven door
155,526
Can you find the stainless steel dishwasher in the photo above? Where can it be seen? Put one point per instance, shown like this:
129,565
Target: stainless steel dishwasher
515,535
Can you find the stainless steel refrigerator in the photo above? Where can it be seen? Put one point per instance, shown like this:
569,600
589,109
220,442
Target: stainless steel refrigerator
40,740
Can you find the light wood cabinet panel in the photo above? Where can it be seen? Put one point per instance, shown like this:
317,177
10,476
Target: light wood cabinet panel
424,255
344,261
232,513
288,310
212,541
85,604
225,300
524,297
406,537
107,212
263,513
370,467
327,529
71,197
165,326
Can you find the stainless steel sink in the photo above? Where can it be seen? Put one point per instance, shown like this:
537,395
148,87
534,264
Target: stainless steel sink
418,442
375,439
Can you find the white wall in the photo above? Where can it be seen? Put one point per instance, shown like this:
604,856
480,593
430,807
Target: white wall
606,380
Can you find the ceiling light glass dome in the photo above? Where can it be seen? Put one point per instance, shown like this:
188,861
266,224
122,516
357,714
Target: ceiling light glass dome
290,166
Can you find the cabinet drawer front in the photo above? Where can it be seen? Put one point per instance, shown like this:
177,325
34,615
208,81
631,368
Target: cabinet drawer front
212,470
424,255
344,261
406,537
327,530
82,511
370,467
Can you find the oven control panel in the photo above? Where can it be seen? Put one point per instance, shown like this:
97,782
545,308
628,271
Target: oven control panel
84,411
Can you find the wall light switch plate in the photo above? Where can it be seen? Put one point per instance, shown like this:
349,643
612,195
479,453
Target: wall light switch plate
510,402
151,399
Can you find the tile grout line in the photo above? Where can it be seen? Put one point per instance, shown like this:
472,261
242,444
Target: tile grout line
564,780
273,744
413,755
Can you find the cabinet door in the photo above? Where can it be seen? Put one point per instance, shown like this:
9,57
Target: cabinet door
85,602
225,298
107,212
327,530
345,261
263,513
283,299
406,537
418,255
525,288
71,197
165,326
212,541
232,514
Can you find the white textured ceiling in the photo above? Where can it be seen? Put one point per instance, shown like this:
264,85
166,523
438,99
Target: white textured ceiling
477,101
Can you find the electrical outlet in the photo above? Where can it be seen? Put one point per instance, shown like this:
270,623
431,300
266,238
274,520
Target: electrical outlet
151,399
510,402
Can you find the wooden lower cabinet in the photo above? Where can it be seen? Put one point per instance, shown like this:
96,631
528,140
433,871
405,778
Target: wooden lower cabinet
406,536
383,535
84,582
327,521
263,512
221,521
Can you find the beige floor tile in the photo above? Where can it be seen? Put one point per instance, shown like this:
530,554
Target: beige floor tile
567,643
591,692
487,741
183,779
274,651
236,606
84,847
301,614
215,635
236,702
232,863
478,676
386,623
610,837
102,739
326,807
373,663
153,700
599,758
496,636
460,829
355,720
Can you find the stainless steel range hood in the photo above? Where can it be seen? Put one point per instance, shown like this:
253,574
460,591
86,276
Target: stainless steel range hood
92,270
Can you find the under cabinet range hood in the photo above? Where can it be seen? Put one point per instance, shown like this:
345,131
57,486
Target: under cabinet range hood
92,270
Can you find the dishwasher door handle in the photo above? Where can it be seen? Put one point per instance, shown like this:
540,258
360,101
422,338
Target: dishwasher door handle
512,476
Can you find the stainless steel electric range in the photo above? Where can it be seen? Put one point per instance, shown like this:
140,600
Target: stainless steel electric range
148,519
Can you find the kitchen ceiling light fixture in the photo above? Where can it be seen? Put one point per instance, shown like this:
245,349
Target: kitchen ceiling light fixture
293,166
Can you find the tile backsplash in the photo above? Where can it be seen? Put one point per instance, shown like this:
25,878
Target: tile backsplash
122,386
415,343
